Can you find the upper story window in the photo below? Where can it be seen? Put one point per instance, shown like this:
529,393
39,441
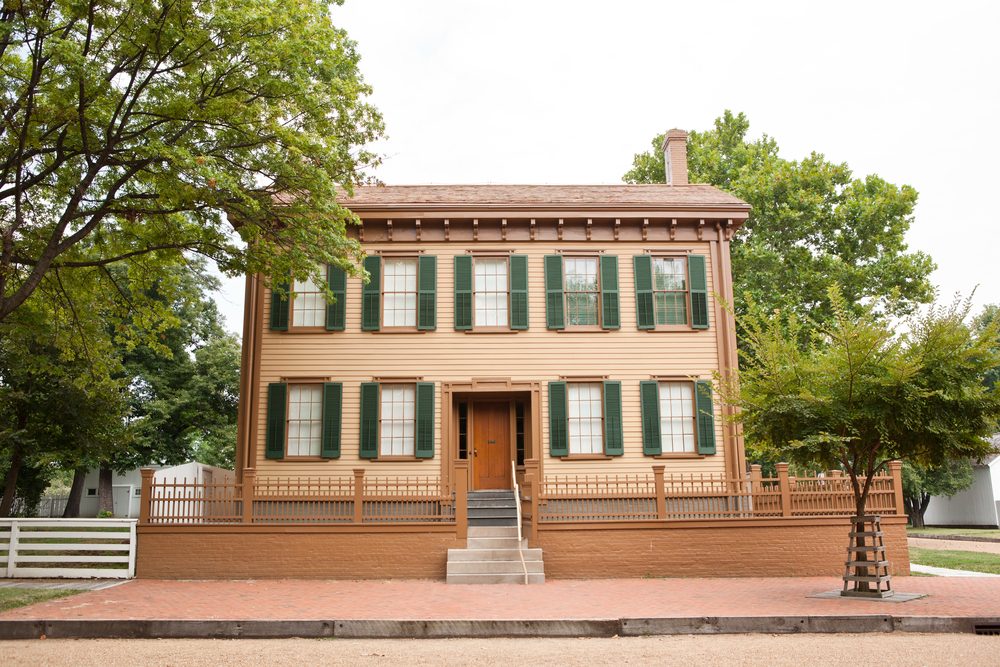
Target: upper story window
399,298
401,293
670,290
308,304
490,288
581,291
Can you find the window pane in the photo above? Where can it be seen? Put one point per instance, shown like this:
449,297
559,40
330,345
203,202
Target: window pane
581,274
671,307
491,292
581,309
586,426
397,420
677,416
305,415
308,304
399,297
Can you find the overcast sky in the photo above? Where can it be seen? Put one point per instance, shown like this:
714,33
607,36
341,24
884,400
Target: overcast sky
567,92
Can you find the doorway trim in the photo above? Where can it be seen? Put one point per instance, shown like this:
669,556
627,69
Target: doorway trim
500,388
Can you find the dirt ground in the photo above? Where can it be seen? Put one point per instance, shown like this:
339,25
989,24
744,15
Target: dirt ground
955,545
769,650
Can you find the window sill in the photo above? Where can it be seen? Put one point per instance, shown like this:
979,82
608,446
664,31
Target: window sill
397,330
484,330
673,328
302,459
396,459
587,457
307,330
583,330
679,456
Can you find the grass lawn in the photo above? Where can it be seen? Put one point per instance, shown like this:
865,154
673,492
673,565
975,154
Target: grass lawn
956,560
22,597
970,532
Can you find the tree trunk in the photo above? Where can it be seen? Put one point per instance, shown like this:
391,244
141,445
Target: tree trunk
105,497
10,481
925,501
75,494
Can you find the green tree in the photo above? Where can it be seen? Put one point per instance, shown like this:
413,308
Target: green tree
922,482
990,317
134,130
859,395
813,224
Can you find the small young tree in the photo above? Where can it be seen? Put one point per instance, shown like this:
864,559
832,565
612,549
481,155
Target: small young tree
922,482
859,394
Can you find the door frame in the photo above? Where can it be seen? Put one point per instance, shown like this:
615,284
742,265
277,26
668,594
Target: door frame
508,403
483,389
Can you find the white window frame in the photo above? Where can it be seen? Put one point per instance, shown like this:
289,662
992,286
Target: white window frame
397,420
414,293
669,405
585,441
308,307
476,292
313,421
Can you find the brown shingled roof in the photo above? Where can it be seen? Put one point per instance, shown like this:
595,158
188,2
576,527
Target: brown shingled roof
544,196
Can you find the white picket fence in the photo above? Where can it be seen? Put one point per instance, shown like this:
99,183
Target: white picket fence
70,548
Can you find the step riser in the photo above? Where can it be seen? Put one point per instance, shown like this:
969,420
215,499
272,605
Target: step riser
495,567
492,543
493,531
492,504
491,495
455,555
495,579
493,522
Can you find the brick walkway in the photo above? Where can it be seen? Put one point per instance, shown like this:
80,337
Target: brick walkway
566,599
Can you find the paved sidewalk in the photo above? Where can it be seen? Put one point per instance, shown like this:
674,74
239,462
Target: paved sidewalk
948,572
954,545
295,600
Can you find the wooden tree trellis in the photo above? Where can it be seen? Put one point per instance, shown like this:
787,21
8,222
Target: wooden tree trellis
866,571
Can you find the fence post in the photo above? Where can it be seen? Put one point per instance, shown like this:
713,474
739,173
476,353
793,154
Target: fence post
12,547
786,489
359,495
896,470
661,493
145,495
461,499
249,482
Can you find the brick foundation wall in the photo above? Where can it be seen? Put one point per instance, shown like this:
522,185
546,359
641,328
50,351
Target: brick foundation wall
279,553
745,548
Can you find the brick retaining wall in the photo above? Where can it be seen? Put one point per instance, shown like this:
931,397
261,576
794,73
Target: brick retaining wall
744,548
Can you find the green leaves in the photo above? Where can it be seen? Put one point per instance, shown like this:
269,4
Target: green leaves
812,225
225,129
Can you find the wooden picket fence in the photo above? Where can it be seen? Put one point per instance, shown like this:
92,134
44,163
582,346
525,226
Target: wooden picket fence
70,548
353,499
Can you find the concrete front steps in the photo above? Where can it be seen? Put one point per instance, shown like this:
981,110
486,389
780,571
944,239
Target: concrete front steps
493,556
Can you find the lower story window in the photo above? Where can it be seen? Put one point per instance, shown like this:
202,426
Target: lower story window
677,417
305,419
586,426
397,420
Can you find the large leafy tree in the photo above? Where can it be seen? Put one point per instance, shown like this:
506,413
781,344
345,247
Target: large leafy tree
133,130
812,224
859,394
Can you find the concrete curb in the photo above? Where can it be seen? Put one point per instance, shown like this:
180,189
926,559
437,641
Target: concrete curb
387,629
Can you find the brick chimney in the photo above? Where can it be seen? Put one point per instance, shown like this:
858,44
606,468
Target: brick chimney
675,157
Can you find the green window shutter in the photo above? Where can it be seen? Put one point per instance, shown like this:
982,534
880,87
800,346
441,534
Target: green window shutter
463,292
277,396
279,307
518,292
644,316
613,441
333,393
336,312
371,295
558,427
555,317
699,291
610,318
649,395
368,445
424,447
706,417
427,293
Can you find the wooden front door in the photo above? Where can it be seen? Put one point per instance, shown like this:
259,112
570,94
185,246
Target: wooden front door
491,445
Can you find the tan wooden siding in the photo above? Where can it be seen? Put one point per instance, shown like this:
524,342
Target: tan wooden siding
446,355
